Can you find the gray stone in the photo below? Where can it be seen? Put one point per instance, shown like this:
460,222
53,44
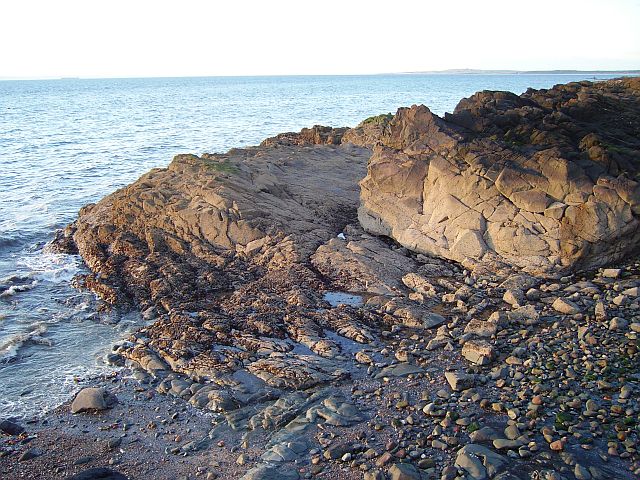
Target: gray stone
404,471
565,306
472,464
511,432
337,450
92,399
433,320
618,323
399,370
485,434
269,472
515,298
373,475
479,352
506,444
611,272
30,454
99,473
10,427
460,381
479,461
481,328
581,472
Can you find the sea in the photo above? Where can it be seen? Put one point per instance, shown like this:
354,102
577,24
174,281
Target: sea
69,142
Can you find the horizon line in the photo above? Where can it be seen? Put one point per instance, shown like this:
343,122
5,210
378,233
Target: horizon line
450,71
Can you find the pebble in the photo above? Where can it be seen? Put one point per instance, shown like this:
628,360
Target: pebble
618,323
565,306
30,454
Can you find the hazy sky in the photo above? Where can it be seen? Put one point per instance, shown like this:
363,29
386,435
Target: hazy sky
93,38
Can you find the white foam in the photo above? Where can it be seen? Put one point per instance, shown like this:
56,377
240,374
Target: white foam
52,267
12,290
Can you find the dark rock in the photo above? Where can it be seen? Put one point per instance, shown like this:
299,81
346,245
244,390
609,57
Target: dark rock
100,473
404,471
10,427
30,454
317,135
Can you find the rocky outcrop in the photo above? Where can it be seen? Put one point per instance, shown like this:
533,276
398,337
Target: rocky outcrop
216,249
542,181
173,234
316,135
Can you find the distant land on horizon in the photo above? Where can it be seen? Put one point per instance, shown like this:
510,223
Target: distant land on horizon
472,71
452,71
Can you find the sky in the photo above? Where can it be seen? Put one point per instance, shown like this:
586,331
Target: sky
142,38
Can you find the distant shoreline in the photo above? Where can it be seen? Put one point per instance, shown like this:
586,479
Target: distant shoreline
460,72
524,72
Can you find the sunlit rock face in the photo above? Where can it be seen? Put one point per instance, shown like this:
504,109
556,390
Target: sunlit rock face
543,181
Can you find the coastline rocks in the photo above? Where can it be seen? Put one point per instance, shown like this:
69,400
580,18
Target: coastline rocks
219,247
92,399
316,135
170,234
526,181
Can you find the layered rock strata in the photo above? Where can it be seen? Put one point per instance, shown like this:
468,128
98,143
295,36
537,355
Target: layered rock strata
543,181
230,256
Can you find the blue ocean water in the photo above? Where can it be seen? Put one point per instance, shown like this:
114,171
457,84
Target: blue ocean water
66,143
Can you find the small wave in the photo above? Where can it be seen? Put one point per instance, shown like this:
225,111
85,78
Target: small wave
52,267
16,278
6,241
8,291
9,346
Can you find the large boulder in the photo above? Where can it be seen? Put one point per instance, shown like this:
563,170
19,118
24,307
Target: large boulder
92,399
544,181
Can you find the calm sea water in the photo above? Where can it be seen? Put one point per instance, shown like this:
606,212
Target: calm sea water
65,143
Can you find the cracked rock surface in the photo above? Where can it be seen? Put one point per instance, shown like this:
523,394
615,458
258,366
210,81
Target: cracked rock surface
544,181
